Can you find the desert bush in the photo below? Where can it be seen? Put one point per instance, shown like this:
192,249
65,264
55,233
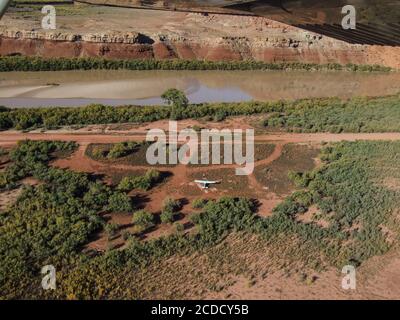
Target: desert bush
122,149
167,216
199,203
170,208
119,202
145,182
170,204
179,227
300,179
111,230
143,220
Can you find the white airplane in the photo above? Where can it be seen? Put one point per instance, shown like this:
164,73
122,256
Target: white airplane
205,183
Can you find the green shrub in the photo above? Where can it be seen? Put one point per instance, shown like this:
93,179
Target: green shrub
145,182
299,179
126,235
170,204
119,202
170,207
111,230
179,227
121,149
199,203
143,220
167,216
304,198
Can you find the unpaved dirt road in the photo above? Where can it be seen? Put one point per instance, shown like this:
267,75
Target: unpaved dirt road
12,137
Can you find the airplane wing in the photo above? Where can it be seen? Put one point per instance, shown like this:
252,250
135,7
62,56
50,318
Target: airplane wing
378,21
3,6
206,181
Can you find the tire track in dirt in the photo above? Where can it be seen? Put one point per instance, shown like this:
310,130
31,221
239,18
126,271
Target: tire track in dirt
79,162
274,156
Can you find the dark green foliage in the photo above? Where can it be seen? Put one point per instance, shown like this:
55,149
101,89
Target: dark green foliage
300,179
19,63
111,230
50,222
122,149
29,158
217,220
175,97
143,219
171,204
178,102
334,115
199,203
145,182
225,215
167,216
119,202
179,227
170,207
346,192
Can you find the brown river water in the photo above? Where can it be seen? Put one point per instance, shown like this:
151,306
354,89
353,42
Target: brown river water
119,87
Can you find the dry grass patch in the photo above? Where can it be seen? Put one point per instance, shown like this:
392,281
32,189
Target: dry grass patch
229,182
137,157
295,157
214,270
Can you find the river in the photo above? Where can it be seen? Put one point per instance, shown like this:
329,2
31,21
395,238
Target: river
119,87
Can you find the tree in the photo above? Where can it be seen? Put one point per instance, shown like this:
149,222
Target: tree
175,98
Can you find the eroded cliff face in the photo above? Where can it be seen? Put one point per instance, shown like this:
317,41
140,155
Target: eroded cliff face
192,36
